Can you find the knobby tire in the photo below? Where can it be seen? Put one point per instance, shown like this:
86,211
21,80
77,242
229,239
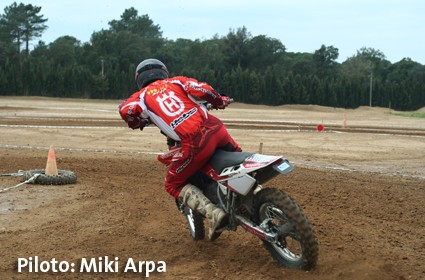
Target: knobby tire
195,221
64,177
198,232
301,227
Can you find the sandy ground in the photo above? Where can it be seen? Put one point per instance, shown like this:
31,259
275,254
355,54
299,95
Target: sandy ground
361,182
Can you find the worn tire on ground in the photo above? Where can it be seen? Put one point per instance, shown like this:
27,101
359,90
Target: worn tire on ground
302,231
64,177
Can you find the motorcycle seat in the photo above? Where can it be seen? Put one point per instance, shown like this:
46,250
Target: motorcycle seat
222,159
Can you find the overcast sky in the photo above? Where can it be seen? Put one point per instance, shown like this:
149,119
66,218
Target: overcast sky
395,27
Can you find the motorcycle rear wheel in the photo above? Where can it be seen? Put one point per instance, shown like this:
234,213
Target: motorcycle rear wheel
296,246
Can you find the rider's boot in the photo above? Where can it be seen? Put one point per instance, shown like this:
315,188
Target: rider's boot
193,197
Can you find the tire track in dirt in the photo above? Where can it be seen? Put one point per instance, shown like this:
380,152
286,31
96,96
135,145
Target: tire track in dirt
369,225
231,124
115,211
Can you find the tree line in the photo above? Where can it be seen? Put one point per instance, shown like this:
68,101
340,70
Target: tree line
251,69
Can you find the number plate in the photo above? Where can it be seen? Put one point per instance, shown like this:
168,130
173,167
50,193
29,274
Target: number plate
284,167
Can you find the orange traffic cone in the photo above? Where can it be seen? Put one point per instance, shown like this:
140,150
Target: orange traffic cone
51,167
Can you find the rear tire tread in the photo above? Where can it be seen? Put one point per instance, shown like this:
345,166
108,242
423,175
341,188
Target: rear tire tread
294,213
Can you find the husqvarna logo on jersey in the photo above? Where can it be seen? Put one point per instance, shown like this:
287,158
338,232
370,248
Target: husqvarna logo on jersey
170,104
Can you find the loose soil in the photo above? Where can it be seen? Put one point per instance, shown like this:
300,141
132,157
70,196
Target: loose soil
363,192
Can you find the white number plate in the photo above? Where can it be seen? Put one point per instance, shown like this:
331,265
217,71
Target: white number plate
283,166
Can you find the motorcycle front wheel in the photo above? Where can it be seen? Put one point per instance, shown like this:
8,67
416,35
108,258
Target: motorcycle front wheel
195,221
296,245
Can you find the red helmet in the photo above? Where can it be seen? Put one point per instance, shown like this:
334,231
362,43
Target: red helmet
131,112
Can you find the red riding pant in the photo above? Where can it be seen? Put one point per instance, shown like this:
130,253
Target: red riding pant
195,152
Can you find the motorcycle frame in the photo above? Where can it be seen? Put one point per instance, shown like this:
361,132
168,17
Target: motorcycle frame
235,200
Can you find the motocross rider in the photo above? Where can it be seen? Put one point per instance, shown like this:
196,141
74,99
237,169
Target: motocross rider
170,104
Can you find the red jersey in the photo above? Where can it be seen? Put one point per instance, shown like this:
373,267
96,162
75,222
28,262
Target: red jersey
171,105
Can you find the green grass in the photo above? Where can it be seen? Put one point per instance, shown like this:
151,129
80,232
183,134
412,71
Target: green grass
412,115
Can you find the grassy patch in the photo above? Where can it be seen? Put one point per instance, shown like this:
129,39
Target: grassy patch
412,115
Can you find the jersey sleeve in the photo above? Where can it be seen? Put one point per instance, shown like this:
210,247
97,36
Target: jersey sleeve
201,90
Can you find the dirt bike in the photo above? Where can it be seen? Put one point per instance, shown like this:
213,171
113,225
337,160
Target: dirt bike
233,181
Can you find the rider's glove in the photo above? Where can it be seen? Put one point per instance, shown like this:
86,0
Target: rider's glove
143,123
136,122
224,103
225,100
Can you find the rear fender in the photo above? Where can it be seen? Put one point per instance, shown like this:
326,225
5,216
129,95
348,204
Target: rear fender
281,166
239,178
251,164
256,162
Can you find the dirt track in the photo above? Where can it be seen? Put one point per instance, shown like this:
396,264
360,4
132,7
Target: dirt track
364,193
